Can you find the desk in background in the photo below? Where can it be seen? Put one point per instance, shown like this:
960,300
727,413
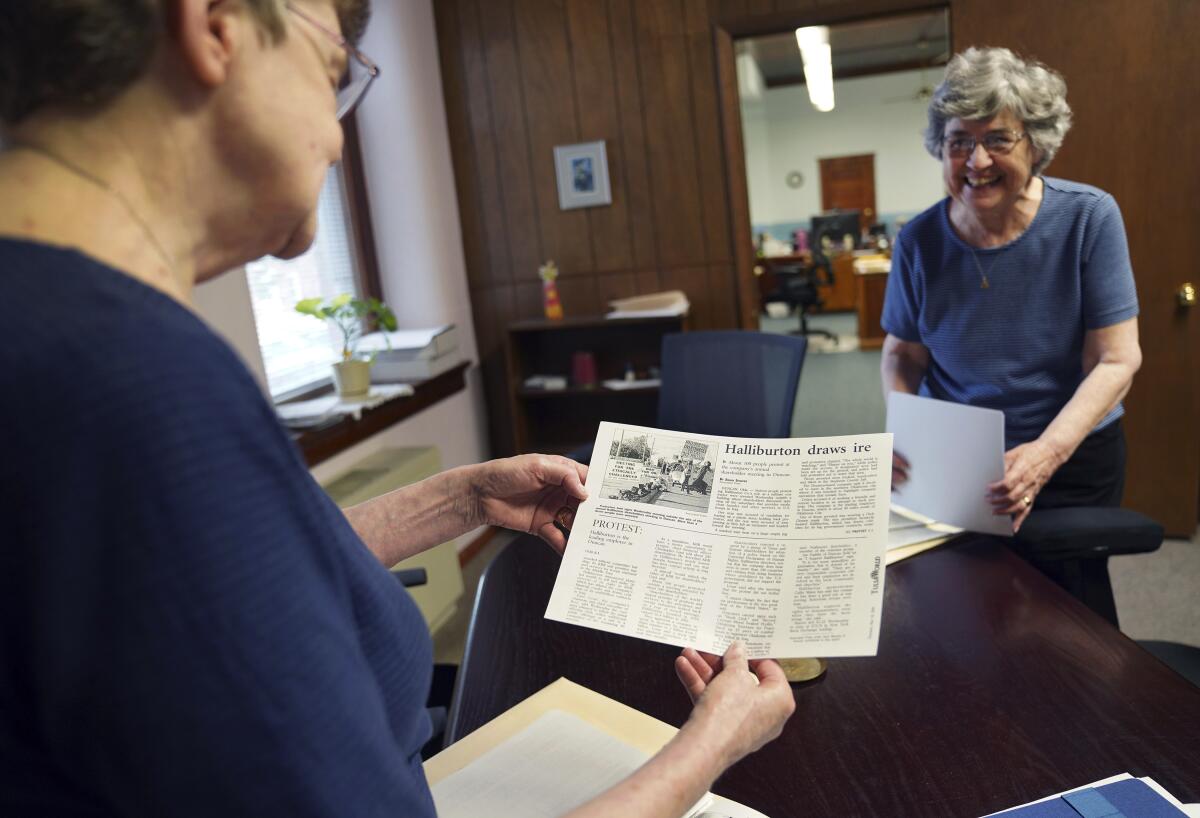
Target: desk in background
992,687
870,283
837,295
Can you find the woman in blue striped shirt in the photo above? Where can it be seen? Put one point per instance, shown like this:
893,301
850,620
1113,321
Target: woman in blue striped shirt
1016,291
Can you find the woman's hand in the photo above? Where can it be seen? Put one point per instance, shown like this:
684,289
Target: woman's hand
742,704
900,469
524,493
1026,469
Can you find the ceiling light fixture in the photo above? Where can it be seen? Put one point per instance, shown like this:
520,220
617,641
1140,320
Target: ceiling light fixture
818,65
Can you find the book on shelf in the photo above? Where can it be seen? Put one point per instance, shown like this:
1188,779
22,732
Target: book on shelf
411,344
387,369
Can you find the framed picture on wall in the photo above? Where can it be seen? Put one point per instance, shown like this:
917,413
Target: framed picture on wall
582,172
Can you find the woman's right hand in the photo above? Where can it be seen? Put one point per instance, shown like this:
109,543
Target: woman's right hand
739,704
900,469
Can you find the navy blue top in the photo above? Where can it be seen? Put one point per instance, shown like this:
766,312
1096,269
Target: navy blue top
188,625
1016,346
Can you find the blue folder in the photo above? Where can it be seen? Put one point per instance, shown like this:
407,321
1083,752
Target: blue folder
1130,798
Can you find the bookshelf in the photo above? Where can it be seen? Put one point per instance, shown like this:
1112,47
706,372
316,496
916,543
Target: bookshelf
558,421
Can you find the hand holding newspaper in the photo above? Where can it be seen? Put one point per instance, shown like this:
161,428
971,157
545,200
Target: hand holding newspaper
696,540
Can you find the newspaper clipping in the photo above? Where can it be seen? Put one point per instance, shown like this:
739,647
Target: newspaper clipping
695,541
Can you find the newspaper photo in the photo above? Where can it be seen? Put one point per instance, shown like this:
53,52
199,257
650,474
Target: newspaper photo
696,541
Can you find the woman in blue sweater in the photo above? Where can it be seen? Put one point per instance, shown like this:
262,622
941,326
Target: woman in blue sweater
1016,291
188,625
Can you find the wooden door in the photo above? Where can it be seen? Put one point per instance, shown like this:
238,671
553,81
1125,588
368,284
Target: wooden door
1131,84
848,183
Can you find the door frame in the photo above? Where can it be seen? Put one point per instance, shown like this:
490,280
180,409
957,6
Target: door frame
733,144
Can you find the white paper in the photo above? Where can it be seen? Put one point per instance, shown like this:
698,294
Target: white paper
318,409
906,527
554,765
695,540
652,305
622,385
724,808
954,453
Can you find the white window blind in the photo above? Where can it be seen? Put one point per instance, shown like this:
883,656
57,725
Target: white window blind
297,349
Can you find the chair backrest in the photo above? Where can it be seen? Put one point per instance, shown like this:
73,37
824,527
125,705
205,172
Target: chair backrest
730,382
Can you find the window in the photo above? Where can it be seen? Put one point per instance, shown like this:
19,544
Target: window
297,350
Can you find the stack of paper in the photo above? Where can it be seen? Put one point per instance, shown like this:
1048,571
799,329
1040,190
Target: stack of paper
655,305
910,533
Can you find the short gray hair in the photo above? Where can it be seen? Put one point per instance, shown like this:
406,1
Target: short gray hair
84,53
981,82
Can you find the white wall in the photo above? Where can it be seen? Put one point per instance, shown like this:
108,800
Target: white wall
794,135
410,182
224,302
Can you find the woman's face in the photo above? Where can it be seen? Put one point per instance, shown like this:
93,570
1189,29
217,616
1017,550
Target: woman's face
987,183
284,135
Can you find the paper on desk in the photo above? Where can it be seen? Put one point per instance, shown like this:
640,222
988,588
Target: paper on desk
954,452
906,527
724,808
554,765
619,721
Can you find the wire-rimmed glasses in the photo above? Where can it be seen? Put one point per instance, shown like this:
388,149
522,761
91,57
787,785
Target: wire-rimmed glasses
996,143
361,70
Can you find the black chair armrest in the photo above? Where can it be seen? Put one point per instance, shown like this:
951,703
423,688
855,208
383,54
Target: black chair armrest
411,577
1056,534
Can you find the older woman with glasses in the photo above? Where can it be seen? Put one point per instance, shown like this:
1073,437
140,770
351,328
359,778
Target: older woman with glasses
1016,291
188,625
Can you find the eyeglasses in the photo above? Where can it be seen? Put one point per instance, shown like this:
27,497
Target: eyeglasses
360,72
996,143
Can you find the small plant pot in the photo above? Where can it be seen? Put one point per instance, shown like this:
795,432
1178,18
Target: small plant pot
353,378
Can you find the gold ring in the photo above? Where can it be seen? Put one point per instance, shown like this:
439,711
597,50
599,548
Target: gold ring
1027,500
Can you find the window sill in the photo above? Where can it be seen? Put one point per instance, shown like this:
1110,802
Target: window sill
318,445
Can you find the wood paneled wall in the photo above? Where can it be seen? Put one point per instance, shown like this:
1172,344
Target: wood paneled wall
521,76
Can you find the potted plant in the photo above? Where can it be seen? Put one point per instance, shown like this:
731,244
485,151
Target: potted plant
352,373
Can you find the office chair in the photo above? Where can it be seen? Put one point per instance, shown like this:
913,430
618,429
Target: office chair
726,382
730,382
1072,547
797,286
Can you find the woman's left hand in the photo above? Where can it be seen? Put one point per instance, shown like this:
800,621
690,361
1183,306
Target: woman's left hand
1026,469
525,493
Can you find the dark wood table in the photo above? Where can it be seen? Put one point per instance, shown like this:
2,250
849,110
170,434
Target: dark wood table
992,687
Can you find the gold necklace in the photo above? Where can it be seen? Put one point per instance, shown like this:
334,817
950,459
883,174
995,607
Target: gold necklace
983,279
107,188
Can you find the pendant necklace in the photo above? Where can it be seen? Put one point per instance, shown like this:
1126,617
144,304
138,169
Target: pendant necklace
983,279
106,187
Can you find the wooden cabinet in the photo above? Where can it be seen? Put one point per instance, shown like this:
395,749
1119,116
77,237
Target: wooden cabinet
840,296
871,277
559,420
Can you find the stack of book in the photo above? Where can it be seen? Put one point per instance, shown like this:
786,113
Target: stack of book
412,355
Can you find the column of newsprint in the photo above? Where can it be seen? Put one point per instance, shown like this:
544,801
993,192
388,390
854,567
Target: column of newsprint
695,540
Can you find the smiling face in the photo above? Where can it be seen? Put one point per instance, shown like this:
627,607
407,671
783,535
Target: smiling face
982,182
